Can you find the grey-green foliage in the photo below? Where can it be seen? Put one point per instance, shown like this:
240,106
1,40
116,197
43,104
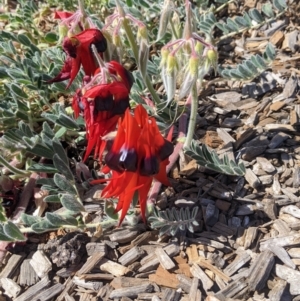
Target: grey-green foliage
209,159
61,189
28,58
10,232
250,68
207,22
171,221
43,144
51,221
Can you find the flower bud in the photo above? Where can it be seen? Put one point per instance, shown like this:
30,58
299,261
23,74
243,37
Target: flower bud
193,65
62,32
164,56
117,41
199,48
171,63
142,32
212,57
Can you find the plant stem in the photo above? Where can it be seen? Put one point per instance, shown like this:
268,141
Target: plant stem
222,6
104,224
173,158
81,8
173,30
134,48
193,117
13,169
30,123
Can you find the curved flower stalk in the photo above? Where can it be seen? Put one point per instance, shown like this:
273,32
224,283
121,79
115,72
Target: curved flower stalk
166,20
73,23
103,100
186,60
122,20
138,155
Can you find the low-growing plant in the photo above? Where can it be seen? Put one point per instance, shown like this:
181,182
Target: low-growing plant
41,48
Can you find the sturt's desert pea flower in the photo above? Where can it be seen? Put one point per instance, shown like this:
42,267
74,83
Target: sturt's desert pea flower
103,100
138,155
79,52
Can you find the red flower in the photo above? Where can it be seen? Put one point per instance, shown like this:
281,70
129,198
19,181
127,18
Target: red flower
62,15
139,154
78,49
103,104
101,114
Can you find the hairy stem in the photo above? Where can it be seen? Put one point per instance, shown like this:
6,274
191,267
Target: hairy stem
193,116
223,5
81,8
104,224
13,169
134,48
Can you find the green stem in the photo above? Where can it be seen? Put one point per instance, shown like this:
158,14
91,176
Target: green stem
104,224
193,117
173,30
222,6
13,169
135,51
29,115
81,8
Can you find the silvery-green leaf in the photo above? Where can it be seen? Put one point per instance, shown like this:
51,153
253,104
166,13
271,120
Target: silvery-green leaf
39,167
164,230
241,21
209,159
29,220
247,19
270,52
42,226
23,39
234,73
64,184
258,61
255,15
66,121
232,25
52,199
71,203
3,236
59,150
17,90
280,5
222,27
248,64
47,130
12,231
63,167
268,10
58,220
244,71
